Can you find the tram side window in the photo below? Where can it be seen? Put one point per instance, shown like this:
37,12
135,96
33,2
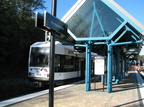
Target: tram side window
57,63
66,63
70,63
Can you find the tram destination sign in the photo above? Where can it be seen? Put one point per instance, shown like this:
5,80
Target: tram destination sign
54,23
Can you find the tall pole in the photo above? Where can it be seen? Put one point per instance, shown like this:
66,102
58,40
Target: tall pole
52,56
109,69
88,67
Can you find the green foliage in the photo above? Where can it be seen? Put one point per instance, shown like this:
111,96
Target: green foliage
17,32
141,57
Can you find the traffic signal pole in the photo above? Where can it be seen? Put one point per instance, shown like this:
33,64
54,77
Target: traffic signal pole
52,56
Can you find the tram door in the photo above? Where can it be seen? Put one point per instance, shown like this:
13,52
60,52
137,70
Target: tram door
82,68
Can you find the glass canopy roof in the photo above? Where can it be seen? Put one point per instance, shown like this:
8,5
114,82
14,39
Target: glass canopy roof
93,19
99,21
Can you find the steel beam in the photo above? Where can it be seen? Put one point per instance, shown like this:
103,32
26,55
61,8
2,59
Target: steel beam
109,68
88,68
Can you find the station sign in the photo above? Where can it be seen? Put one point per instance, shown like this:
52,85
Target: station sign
54,23
39,21
99,65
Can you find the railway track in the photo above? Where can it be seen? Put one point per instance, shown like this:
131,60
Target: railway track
35,94
17,94
37,88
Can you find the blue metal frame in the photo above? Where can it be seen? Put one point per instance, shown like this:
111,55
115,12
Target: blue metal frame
121,70
109,68
110,45
129,42
93,16
88,67
118,29
98,18
124,68
133,32
87,39
121,35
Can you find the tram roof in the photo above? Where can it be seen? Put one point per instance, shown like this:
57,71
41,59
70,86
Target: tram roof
100,21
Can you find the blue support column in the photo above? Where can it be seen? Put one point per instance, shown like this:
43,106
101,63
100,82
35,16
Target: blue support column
113,68
124,68
117,65
126,65
123,71
88,68
109,69
121,75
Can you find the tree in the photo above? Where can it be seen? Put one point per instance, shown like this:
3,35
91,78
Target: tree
141,57
17,31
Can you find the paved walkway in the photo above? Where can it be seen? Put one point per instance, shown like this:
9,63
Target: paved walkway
125,94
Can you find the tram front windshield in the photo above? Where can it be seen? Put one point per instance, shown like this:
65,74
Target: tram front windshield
39,57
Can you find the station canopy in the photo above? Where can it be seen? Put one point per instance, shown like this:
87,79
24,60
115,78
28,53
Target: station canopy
99,21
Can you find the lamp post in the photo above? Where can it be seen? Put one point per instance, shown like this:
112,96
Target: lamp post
52,55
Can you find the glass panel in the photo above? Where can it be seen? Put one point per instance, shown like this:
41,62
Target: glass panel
68,63
57,61
39,57
80,22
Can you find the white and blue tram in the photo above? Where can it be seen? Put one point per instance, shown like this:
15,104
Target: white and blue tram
69,64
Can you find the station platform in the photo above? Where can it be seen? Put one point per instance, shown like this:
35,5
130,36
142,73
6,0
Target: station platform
124,94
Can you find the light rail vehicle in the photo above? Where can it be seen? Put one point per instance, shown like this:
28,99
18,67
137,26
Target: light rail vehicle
69,64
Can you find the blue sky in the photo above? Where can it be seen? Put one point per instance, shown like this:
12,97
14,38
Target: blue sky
134,7
62,6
